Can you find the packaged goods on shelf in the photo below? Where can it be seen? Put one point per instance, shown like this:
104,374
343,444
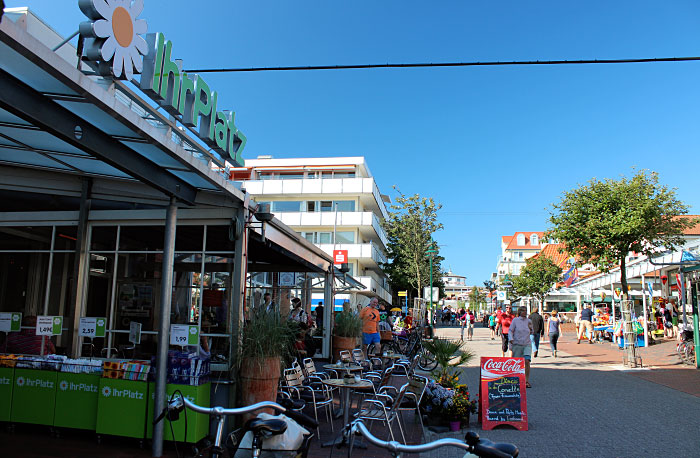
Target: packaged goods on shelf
8,360
82,366
127,370
186,368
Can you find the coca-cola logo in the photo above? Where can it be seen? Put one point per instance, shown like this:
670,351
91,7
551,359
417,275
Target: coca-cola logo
509,365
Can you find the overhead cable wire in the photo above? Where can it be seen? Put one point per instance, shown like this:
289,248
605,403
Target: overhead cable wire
445,64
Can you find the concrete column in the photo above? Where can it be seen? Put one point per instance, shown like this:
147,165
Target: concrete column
328,313
166,293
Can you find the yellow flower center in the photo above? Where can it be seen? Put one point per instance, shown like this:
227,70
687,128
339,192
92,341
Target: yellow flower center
122,27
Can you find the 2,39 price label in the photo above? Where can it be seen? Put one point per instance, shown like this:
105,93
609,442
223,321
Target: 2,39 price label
184,334
92,327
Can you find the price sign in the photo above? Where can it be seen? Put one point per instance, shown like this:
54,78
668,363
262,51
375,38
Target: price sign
92,327
184,334
49,325
10,322
135,332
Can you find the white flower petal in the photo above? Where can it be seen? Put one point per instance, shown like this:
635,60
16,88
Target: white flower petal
128,67
103,28
140,26
136,59
118,63
140,44
108,48
104,7
136,8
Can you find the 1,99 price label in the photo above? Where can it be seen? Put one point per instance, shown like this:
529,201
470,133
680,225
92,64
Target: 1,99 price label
184,334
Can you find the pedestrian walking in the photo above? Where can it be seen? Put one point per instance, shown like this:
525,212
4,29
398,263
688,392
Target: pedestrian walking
586,325
504,322
492,325
463,323
554,331
537,330
470,319
519,333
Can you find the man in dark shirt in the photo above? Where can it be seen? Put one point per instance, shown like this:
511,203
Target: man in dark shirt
586,324
537,330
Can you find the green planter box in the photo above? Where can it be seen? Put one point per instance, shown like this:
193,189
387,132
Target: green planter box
121,407
197,423
34,396
76,400
7,381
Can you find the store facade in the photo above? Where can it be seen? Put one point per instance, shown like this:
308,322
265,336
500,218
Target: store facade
118,221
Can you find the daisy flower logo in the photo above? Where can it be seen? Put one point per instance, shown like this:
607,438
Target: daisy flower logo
106,391
116,31
63,385
57,320
193,330
20,381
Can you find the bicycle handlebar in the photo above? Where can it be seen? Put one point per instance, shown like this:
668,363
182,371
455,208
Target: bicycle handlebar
474,445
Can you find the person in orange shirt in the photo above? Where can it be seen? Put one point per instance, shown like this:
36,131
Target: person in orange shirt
370,319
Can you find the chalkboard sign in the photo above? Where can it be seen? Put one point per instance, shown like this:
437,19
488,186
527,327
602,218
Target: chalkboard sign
502,395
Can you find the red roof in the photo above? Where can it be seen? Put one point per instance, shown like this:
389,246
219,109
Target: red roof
556,252
513,243
694,230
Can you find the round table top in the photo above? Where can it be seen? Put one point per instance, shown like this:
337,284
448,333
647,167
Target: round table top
339,382
335,367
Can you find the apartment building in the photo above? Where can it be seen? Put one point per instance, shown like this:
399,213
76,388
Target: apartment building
455,286
334,203
515,249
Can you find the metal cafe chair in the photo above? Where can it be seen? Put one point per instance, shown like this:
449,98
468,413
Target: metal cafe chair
385,408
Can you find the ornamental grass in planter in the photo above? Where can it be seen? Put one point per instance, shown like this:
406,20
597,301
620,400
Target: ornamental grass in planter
267,340
346,331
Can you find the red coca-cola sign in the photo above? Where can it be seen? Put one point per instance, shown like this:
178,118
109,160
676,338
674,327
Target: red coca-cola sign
502,393
504,365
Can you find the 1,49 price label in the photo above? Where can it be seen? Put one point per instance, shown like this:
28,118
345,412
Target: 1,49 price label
184,334
49,325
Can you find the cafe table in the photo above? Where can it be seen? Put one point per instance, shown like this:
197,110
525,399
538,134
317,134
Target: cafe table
345,387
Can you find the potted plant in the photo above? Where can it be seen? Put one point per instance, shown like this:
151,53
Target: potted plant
267,339
347,330
449,354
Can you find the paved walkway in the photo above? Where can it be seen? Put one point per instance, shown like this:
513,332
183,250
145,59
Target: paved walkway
583,404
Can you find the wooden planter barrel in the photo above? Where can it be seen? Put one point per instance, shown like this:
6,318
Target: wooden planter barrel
259,380
343,343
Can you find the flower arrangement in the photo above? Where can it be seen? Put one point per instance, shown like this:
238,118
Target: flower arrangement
447,404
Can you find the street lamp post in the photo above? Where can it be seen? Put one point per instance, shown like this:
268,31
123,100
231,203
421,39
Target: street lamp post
431,253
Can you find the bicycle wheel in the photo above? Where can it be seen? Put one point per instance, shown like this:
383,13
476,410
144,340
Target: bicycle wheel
689,354
427,361
680,349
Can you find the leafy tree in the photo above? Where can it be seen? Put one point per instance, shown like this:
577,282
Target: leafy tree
476,297
604,221
536,278
490,286
410,227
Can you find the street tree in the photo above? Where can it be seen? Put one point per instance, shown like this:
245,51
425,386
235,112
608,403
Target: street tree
536,278
476,297
490,286
603,221
410,227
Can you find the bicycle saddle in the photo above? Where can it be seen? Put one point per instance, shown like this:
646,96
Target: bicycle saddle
270,427
484,445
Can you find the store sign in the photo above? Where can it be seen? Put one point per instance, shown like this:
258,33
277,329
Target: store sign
502,393
10,322
501,295
49,325
340,256
189,98
403,293
184,334
135,332
92,327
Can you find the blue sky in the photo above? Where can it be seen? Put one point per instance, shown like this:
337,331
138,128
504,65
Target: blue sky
494,145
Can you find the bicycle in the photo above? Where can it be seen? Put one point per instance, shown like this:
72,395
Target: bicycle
686,348
261,428
427,361
472,445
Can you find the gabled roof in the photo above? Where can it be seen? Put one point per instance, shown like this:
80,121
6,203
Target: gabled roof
556,252
694,230
513,243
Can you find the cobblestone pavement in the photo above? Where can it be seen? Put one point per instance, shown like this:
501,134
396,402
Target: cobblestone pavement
578,408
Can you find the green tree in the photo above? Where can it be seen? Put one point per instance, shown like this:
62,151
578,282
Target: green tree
410,227
536,278
604,221
476,297
490,287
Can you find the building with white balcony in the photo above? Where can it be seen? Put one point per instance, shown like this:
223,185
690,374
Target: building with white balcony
334,203
455,286
515,249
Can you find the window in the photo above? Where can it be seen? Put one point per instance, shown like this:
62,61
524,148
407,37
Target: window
264,206
521,240
310,236
325,237
311,206
343,174
326,206
286,206
345,205
345,237
265,175
291,176
534,240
